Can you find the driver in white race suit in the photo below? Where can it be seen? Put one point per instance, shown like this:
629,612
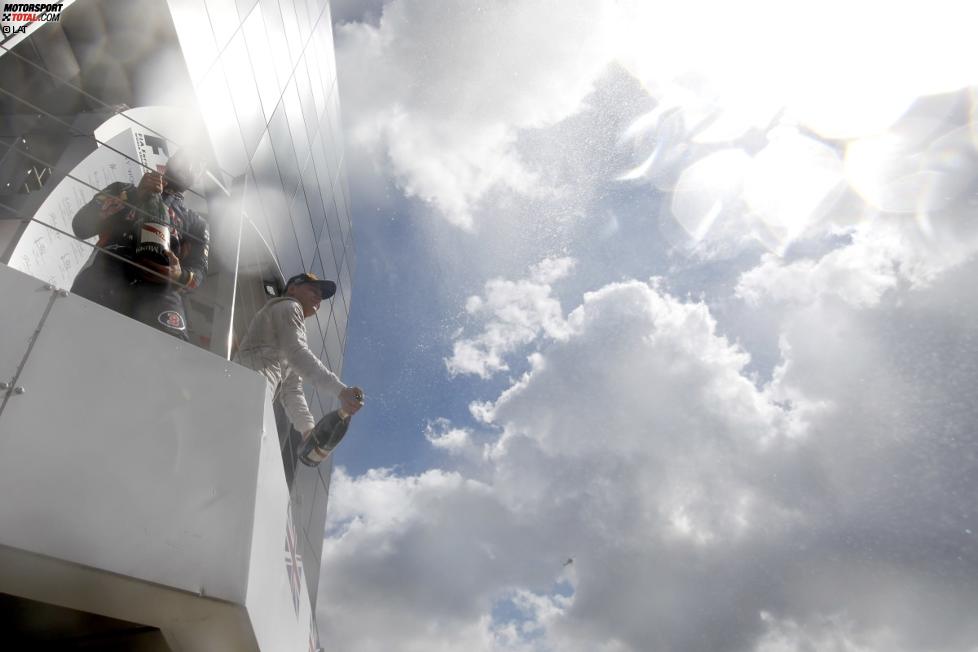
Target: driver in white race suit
276,346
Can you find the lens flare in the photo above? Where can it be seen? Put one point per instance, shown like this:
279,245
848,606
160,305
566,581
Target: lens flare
791,183
769,113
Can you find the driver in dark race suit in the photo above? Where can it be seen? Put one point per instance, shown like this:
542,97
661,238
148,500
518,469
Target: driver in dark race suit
153,296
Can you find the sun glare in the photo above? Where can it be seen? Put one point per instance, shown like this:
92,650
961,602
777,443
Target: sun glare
789,88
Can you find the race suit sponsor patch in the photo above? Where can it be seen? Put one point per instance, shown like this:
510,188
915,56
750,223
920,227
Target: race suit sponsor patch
172,319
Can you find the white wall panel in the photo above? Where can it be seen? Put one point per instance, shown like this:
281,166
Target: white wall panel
130,451
19,324
277,623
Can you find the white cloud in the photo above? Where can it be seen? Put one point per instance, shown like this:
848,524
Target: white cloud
516,312
883,254
352,11
830,634
701,511
826,508
440,91
550,270
442,435
859,275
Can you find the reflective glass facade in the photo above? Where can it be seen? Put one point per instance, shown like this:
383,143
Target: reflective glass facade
251,86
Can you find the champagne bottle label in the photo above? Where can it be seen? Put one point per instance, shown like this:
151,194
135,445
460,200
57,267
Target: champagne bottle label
153,236
154,243
313,457
324,437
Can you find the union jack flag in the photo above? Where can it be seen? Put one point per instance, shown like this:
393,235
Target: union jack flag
293,561
313,635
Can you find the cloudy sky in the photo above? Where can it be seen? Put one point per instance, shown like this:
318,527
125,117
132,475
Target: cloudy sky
667,321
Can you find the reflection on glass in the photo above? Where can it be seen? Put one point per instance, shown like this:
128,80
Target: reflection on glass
303,227
344,210
328,253
323,37
218,112
340,318
288,167
264,165
317,268
297,125
277,41
262,62
244,93
315,82
245,7
321,168
309,114
324,63
330,147
314,199
253,210
280,227
193,28
292,33
334,349
303,20
224,20
344,283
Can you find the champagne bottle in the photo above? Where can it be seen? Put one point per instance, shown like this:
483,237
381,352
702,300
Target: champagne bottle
325,436
153,232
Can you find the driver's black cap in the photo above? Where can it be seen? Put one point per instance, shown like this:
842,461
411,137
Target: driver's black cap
326,288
